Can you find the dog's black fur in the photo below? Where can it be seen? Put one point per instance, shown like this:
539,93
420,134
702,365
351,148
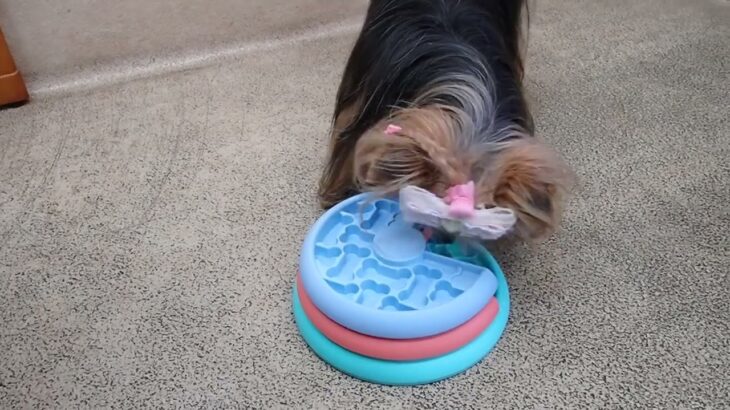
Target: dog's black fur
407,44
464,54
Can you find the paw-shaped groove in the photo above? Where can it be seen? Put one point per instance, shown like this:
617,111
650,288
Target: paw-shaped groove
345,268
372,292
348,290
384,212
416,294
373,268
427,272
326,257
356,209
465,277
443,292
375,287
391,303
357,251
396,278
355,235
330,231
327,252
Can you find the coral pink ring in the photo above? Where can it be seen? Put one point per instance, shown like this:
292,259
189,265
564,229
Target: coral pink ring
397,349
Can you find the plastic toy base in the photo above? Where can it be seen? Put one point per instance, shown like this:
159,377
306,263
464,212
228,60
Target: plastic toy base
397,349
368,270
412,372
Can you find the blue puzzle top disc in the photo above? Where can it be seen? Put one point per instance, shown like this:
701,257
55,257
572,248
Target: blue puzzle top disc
370,271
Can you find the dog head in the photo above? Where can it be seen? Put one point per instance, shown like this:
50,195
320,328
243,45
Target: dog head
426,147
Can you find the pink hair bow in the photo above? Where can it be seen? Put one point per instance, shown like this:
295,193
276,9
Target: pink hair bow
455,213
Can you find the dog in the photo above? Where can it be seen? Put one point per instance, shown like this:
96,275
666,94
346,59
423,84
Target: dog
432,96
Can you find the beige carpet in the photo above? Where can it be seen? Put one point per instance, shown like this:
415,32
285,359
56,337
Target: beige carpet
149,231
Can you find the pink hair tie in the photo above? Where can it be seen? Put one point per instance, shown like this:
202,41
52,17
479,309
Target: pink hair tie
392,129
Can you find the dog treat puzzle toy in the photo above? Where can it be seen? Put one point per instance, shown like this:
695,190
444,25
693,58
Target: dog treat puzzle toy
378,299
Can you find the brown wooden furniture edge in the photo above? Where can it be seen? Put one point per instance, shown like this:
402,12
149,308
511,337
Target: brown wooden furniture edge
12,86
12,89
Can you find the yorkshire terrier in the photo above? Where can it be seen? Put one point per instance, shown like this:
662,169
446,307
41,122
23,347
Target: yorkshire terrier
432,96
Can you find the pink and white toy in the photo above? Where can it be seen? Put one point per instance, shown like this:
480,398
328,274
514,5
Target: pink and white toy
455,213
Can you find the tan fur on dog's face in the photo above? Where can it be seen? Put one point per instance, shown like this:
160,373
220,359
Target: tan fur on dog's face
521,174
529,178
424,153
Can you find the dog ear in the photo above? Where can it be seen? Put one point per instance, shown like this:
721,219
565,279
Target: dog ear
529,178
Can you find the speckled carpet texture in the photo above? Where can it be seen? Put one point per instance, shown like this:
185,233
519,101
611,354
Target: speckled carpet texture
150,227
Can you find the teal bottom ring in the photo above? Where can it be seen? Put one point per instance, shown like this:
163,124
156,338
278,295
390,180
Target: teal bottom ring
411,372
